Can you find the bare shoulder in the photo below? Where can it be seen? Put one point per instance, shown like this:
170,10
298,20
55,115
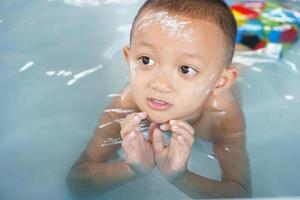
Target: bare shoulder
223,115
117,110
227,133
108,127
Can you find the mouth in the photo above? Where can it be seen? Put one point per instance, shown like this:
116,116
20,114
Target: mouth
157,104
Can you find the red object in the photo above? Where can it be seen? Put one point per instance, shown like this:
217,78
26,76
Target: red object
289,36
249,13
261,45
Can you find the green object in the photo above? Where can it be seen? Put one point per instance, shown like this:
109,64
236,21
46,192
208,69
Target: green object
272,17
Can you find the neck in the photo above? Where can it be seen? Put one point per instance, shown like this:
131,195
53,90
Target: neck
194,118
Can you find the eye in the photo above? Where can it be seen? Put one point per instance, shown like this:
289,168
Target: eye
145,60
187,70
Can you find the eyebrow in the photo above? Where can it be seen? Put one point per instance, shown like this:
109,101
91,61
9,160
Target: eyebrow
143,43
191,55
194,56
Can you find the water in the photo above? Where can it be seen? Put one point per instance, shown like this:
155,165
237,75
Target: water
61,64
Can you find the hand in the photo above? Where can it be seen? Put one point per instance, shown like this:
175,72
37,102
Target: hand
172,159
139,153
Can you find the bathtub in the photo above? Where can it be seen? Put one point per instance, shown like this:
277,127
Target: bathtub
62,63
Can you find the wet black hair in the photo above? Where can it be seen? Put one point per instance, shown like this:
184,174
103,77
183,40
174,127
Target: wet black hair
214,11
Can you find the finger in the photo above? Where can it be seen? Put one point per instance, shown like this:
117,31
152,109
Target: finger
152,126
141,139
142,115
183,124
185,147
129,143
130,147
136,120
125,125
165,127
158,140
136,139
131,122
185,134
181,140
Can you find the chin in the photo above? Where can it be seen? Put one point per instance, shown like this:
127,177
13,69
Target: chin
155,116
159,118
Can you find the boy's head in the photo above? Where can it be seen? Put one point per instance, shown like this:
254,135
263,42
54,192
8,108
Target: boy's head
214,11
179,54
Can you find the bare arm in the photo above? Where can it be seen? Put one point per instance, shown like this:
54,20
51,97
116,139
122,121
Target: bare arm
234,183
227,134
92,173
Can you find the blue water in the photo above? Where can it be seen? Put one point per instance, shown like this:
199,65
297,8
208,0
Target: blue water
46,119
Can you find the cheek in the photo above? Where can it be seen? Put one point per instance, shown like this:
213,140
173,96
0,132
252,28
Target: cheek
192,97
195,94
138,79
132,69
206,85
137,73
202,91
138,83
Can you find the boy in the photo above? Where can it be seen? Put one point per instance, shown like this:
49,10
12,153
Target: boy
180,79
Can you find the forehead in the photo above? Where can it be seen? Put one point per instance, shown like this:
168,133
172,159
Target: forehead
162,30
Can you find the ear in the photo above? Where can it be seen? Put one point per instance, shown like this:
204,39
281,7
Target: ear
226,80
126,52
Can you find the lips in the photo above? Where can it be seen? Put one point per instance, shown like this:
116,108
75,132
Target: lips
157,104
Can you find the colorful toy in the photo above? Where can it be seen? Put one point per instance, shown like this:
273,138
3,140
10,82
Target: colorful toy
263,24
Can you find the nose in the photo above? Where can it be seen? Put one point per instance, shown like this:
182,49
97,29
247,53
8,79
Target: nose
161,82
